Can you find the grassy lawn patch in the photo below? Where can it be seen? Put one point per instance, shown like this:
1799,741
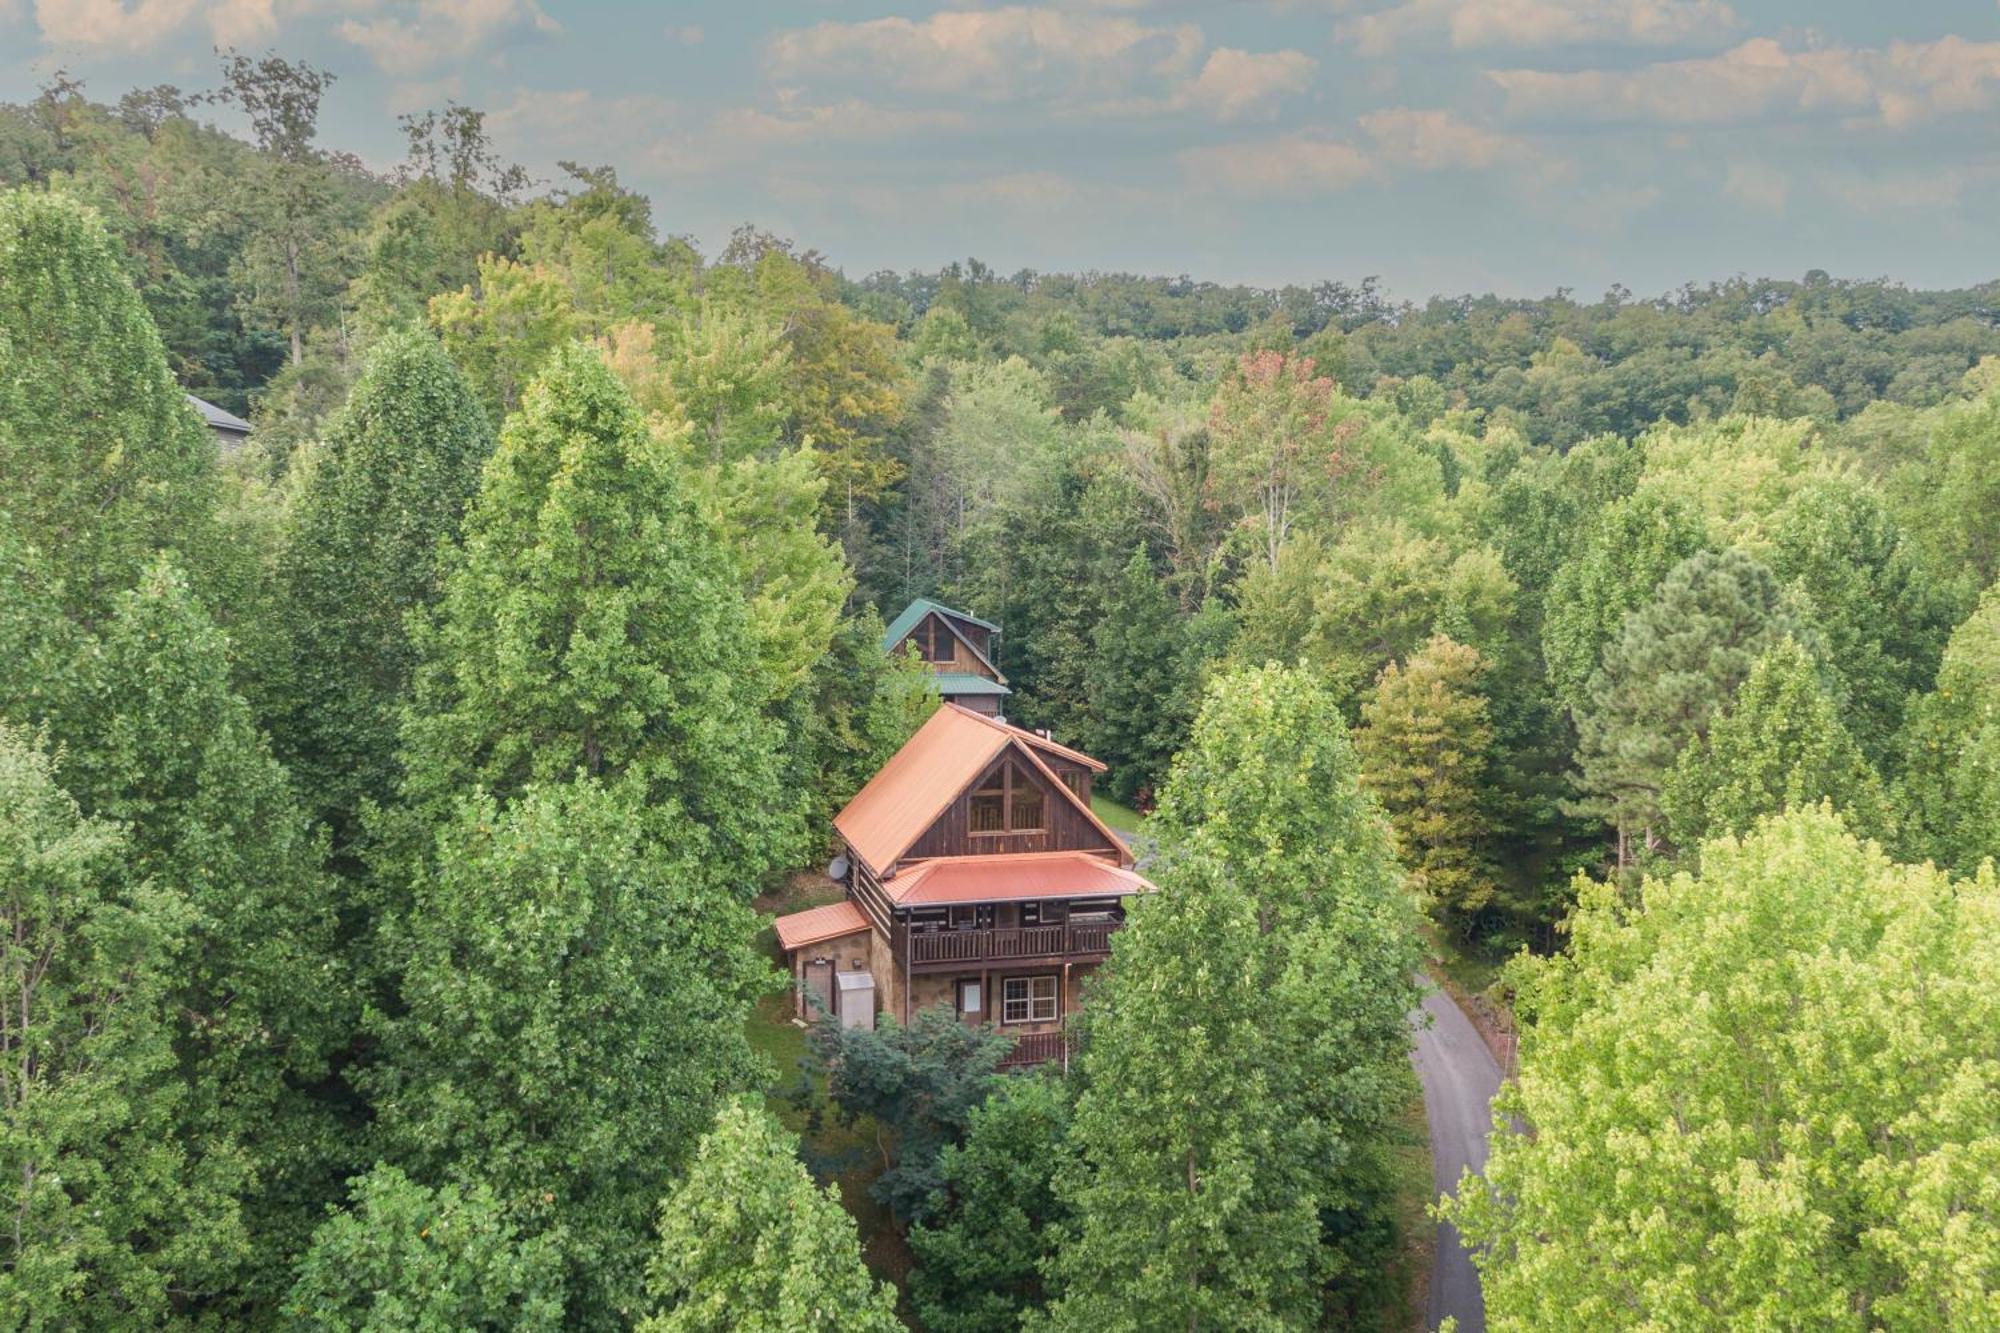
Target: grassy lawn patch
1121,818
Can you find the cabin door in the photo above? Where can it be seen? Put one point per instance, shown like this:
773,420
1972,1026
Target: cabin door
819,988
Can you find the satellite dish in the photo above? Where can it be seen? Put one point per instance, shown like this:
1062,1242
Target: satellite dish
837,868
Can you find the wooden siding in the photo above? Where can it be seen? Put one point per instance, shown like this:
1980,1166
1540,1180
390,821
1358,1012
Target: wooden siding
963,659
868,895
1065,828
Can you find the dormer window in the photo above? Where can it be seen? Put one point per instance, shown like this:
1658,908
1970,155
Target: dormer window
1008,802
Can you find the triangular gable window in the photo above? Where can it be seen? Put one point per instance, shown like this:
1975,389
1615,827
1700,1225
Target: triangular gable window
1009,801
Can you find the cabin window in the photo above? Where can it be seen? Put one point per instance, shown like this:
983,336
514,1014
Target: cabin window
1028,1000
934,641
1009,802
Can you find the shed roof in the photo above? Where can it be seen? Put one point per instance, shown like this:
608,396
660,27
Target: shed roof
218,418
920,780
964,682
1013,877
816,925
907,620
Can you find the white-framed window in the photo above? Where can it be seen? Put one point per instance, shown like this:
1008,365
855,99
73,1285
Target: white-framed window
1028,1000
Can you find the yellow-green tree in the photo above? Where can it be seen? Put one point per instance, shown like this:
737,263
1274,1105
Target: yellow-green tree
748,1244
1763,1096
1425,742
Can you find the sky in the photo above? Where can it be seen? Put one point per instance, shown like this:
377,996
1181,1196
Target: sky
1444,146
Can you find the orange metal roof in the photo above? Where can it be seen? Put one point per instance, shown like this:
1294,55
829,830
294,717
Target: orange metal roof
1011,877
918,782
927,774
1041,742
818,924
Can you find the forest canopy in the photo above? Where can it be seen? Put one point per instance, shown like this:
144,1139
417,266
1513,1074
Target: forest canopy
385,800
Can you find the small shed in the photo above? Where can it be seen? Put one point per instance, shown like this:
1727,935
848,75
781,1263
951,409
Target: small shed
854,1000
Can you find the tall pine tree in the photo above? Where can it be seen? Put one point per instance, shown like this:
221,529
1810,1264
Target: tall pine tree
1675,664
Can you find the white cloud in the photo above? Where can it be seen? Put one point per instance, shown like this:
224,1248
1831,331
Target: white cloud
110,24
1291,164
1471,24
418,35
996,55
1239,85
1437,140
242,22
850,120
1906,84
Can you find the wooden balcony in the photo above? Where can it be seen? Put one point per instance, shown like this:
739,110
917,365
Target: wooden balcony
951,947
1038,1048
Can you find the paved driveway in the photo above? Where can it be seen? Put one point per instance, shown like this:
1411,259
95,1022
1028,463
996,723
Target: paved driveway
1459,1079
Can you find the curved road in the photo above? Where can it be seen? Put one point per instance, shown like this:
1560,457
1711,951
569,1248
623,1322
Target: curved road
1459,1079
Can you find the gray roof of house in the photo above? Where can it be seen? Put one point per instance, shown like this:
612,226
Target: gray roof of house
217,418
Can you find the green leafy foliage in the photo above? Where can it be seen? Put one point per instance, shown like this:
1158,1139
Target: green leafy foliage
1243,1046
158,742
922,1080
361,553
749,1245
114,1210
1760,1097
1193,1199
1780,746
591,624
1627,553
402,1256
980,1256
105,461
1676,663
570,1015
1424,744
1950,749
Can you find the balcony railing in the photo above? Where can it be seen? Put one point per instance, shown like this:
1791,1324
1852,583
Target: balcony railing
1036,1048
979,946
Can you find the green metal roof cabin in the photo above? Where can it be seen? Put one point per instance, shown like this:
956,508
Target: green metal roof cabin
959,649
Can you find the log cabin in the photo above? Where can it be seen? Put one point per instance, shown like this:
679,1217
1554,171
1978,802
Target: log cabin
976,877
959,650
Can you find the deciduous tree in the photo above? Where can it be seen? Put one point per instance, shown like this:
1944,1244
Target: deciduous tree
1949,789
980,1257
1763,1096
1780,746
1424,743
401,1255
748,1244
113,1210
105,463
592,624
361,553
570,1015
